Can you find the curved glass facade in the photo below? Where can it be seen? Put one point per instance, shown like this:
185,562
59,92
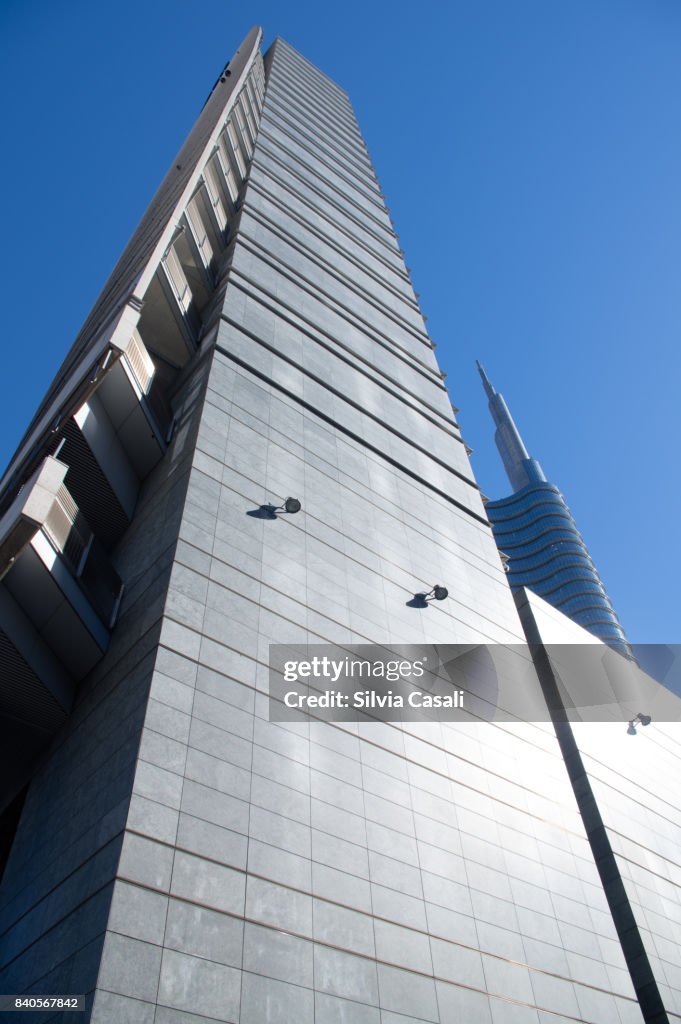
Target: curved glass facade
536,532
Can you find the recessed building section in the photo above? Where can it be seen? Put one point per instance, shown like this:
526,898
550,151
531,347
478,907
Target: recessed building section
59,599
35,698
58,572
137,408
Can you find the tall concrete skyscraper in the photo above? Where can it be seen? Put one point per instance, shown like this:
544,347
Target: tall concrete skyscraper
171,852
538,538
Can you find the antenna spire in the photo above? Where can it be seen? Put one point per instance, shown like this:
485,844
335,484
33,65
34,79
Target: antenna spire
520,468
485,379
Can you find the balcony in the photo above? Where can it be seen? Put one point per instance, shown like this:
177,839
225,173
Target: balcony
59,598
138,416
171,317
57,572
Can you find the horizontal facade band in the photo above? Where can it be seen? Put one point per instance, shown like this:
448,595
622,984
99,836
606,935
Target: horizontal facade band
314,333
554,501
333,272
315,150
403,296
345,130
370,330
529,577
284,57
513,524
344,119
296,116
247,486
302,166
393,266
359,174
389,244
355,405
316,74
518,497
359,440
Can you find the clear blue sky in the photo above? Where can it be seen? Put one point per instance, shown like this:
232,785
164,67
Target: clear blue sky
531,156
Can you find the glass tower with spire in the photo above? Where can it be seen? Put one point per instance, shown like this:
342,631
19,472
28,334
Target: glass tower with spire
538,538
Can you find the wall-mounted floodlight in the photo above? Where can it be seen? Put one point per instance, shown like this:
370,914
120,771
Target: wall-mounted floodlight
641,720
290,506
422,600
